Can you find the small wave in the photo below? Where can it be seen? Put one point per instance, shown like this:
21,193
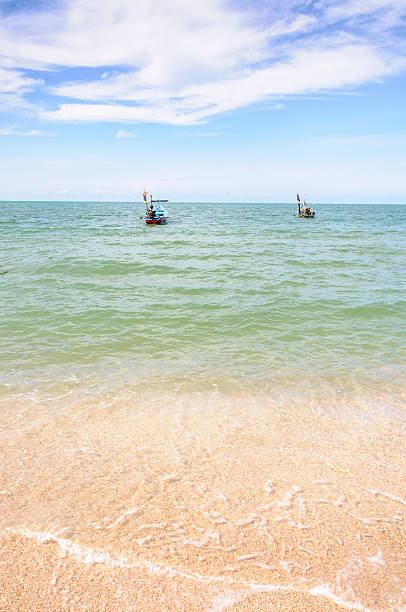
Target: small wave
90,556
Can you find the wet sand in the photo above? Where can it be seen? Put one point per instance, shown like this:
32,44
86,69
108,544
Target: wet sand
36,577
203,502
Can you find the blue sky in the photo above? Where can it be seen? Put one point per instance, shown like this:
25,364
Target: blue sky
203,101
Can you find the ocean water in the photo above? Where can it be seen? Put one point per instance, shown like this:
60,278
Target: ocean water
223,295
218,396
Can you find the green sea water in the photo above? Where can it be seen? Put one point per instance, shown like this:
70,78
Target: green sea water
228,296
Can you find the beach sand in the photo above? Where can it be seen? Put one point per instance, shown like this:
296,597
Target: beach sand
36,577
203,501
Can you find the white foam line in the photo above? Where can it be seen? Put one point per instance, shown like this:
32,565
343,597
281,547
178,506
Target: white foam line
43,401
287,502
89,556
266,588
325,591
85,555
171,477
309,551
377,559
377,492
124,516
367,521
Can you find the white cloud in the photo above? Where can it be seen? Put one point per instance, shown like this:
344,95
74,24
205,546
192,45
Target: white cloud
306,72
145,35
13,85
12,131
14,81
179,63
210,134
125,134
352,8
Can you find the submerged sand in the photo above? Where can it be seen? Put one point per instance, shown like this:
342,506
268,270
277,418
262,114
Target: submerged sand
203,502
37,577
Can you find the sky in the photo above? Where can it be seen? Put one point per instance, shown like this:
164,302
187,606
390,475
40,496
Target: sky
210,100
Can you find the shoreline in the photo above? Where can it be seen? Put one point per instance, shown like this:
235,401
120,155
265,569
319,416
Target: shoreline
42,574
180,494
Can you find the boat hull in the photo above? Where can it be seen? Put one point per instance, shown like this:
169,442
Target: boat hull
156,221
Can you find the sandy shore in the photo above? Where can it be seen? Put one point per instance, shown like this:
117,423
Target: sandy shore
202,503
37,577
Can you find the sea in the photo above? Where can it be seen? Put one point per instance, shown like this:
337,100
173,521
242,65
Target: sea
205,415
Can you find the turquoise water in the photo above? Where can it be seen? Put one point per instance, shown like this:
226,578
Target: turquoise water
225,295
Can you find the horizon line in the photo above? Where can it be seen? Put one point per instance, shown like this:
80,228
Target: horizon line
312,203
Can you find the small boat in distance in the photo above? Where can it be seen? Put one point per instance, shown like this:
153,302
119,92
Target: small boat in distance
303,210
157,216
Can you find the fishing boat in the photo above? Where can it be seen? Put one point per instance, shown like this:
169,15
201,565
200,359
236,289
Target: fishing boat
303,210
154,216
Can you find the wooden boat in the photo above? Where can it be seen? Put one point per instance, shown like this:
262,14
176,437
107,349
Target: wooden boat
307,213
157,216
303,210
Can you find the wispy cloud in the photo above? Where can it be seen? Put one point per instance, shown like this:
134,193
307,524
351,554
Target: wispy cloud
13,131
125,134
211,134
374,140
307,71
14,85
171,64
